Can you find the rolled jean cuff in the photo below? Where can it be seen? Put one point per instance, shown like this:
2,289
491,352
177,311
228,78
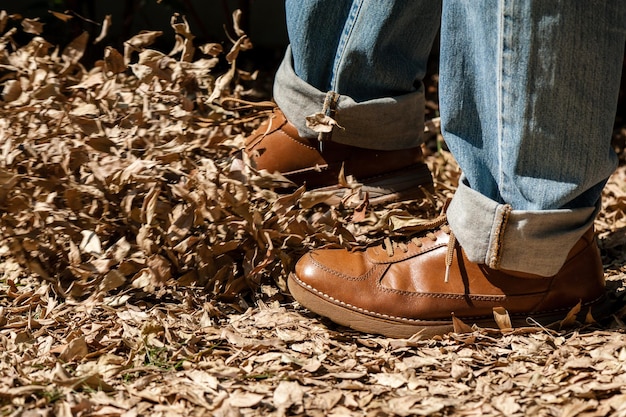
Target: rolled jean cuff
384,123
533,242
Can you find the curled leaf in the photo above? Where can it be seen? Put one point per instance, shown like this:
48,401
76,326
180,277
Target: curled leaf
321,123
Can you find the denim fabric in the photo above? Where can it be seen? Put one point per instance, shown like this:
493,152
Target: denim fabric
531,241
372,53
382,123
528,95
362,48
528,92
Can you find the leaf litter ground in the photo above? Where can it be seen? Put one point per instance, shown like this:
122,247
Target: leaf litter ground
143,262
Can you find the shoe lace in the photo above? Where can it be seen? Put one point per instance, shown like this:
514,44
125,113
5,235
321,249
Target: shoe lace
426,231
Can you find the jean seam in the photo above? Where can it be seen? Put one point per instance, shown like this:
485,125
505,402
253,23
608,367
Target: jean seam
343,41
499,92
500,222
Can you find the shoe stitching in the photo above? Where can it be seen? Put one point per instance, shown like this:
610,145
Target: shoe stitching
393,247
341,275
442,296
446,296
253,141
270,130
359,309
405,319
281,131
372,271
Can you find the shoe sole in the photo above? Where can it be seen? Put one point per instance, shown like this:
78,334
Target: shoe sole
400,185
397,327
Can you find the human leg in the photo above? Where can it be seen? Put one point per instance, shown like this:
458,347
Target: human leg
351,51
373,54
530,123
524,211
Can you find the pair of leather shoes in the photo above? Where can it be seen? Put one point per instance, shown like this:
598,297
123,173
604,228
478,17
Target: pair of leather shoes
401,288
387,176
398,289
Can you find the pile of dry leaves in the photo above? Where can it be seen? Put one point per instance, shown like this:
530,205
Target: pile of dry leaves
143,262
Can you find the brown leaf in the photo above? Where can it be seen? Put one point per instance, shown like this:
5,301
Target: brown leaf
237,22
104,31
244,399
287,394
61,16
90,243
75,50
160,267
149,206
321,123
222,85
11,91
212,49
138,42
75,350
74,254
502,318
570,319
21,392
33,26
460,326
183,29
113,61
112,280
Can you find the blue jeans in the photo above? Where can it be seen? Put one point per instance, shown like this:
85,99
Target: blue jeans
528,93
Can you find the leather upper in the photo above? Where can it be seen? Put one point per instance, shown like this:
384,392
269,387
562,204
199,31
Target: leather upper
276,146
410,284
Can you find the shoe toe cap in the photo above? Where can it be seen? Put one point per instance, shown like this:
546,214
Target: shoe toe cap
323,266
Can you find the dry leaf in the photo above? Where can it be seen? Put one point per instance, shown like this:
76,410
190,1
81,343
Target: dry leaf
75,350
321,123
502,318
12,90
212,49
138,42
75,50
242,399
33,26
104,31
4,18
90,243
460,326
184,31
61,16
570,319
287,394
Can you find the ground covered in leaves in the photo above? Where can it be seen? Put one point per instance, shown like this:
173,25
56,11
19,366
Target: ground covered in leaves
143,262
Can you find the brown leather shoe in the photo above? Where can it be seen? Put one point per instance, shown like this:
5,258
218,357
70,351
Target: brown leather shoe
387,176
398,290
